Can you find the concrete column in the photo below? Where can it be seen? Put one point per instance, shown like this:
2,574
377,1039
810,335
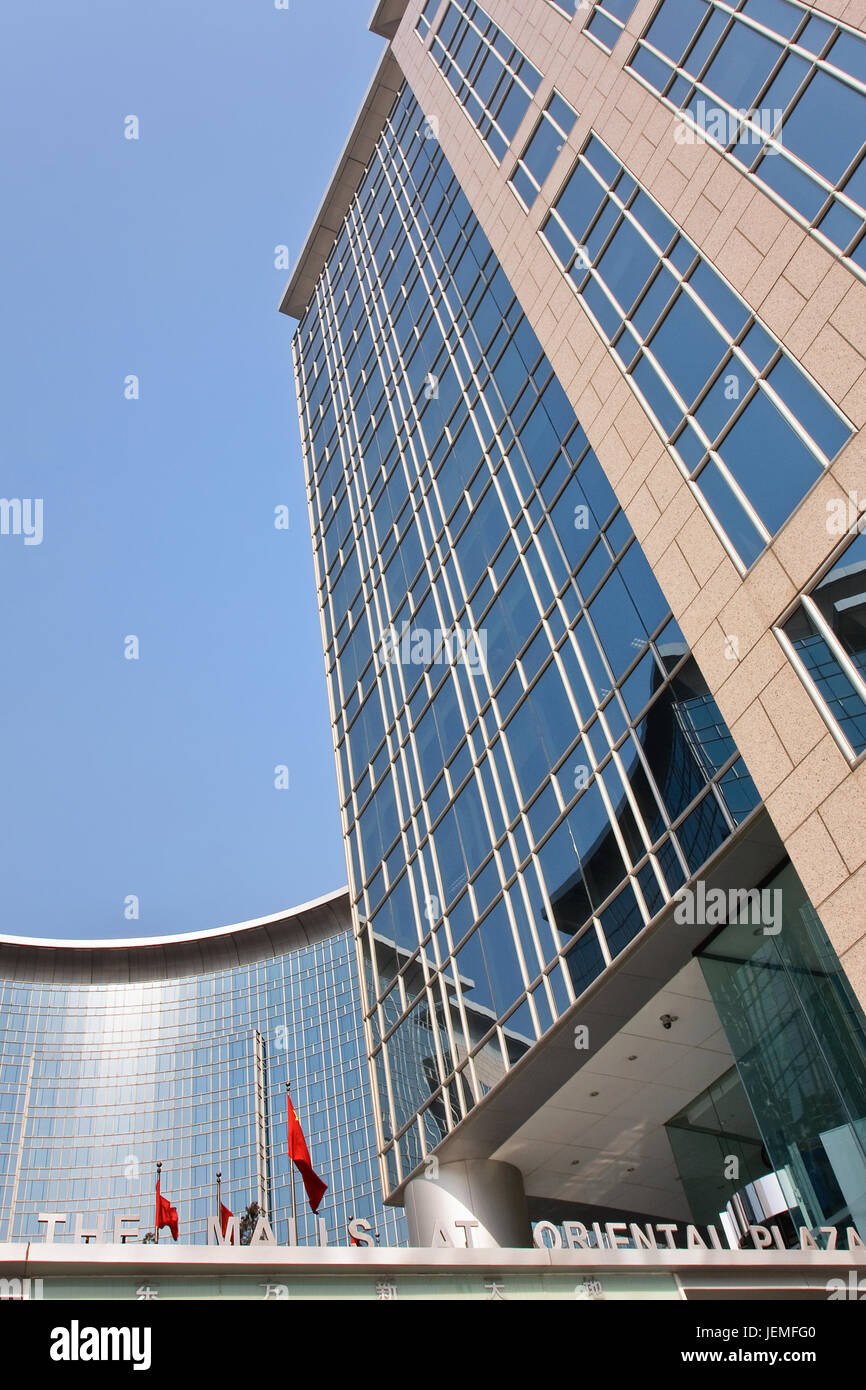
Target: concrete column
475,1202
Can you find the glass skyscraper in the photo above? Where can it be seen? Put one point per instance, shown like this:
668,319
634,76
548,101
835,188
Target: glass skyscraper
560,453
531,763
116,1056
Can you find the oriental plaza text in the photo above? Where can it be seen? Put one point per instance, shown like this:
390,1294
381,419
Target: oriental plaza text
571,1235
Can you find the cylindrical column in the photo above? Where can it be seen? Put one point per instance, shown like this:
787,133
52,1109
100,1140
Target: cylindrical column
475,1202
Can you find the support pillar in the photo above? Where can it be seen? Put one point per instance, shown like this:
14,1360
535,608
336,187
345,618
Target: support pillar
476,1203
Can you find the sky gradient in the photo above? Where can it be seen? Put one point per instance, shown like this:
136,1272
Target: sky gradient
155,257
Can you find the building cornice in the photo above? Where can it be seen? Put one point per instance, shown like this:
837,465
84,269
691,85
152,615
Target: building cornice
40,1259
133,960
386,83
386,17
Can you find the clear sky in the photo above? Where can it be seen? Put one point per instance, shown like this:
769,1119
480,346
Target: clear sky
155,258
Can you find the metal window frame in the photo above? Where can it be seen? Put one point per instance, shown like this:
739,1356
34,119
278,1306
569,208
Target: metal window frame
772,144
804,600
510,73
758,378
620,24
544,116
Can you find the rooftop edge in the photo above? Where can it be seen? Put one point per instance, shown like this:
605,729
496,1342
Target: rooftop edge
385,19
139,960
378,100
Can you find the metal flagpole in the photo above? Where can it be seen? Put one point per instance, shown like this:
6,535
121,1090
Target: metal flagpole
158,1171
291,1164
219,1200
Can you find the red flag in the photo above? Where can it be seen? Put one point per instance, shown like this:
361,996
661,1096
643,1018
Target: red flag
299,1154
166,1214
225,1218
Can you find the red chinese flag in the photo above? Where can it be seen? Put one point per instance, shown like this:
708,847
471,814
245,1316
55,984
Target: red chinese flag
299,1154
166,1214
225,1218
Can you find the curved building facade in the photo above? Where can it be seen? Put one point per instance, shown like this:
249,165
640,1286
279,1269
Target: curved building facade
114,1055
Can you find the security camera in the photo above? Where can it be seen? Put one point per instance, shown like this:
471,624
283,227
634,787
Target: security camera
667,1020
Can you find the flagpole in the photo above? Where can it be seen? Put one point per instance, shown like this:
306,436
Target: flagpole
219,1200
156,1222
292,1167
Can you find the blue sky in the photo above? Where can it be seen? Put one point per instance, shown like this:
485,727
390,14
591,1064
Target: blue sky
155,257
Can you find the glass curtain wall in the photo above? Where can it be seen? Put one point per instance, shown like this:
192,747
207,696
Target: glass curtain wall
530,762
798,1037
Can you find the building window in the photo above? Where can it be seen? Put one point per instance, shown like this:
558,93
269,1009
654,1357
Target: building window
491,79
607,21
746,426
426,17
825,637
781,91
556,124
